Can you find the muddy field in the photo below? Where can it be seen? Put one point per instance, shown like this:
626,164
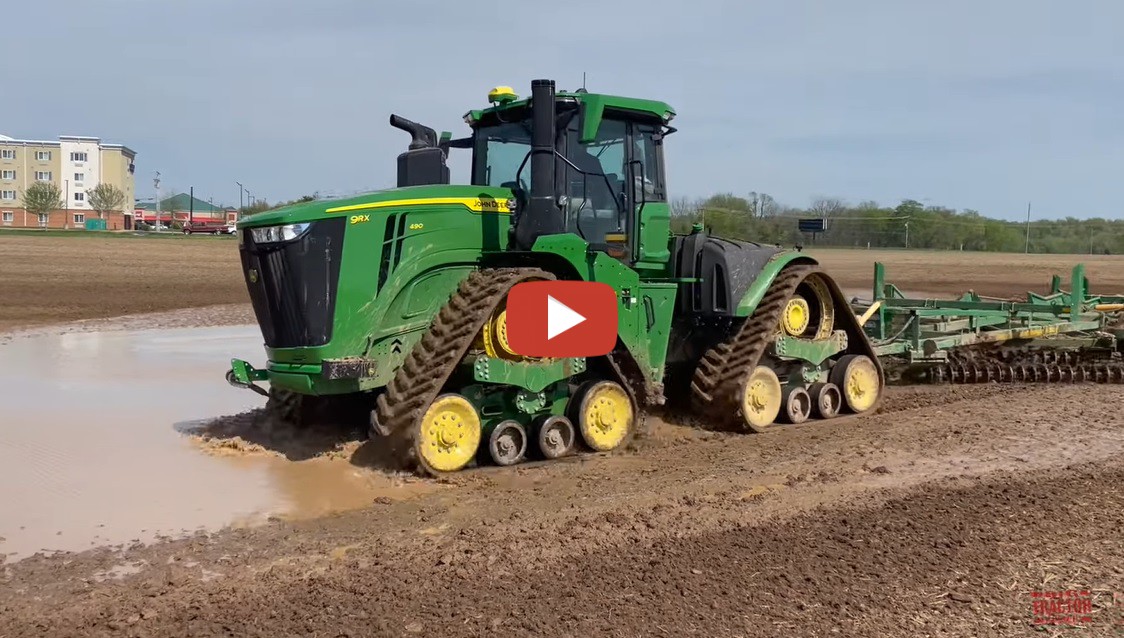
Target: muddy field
954,511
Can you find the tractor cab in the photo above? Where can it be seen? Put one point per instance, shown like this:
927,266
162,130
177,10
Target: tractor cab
596,165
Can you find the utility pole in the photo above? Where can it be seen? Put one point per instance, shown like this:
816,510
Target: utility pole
241,205
1027,250
191,205
156,184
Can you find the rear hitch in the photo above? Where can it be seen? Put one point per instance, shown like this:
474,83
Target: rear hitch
243,375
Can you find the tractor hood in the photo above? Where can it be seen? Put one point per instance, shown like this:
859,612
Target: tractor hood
475,198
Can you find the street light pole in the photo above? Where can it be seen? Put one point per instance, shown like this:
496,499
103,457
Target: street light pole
156,184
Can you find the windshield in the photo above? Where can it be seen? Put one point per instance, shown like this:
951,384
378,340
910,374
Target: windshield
500,150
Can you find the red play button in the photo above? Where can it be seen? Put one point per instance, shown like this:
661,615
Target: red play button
561,319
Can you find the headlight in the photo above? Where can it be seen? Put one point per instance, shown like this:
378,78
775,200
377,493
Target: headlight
271,234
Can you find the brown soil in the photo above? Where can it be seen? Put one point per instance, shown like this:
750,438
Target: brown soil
949,274
54,279
938,517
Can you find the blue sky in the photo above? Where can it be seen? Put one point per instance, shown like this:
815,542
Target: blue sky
982,105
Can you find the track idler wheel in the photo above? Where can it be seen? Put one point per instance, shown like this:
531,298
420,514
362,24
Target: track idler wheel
555,436
797,405
762,398
507,443
857,378
448,434
604,415
826,400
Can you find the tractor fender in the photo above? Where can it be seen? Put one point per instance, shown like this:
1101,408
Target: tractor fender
748,303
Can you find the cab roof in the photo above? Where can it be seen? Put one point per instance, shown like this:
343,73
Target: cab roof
504,99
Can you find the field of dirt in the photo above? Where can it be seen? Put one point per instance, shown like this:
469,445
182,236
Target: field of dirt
984,510
53,279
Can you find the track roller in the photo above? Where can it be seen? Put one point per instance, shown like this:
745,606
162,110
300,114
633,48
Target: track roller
555,436
507,443
826,400
796,405
604,414
857,378
762,398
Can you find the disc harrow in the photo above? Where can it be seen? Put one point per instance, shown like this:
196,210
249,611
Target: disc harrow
1058,369
1060,337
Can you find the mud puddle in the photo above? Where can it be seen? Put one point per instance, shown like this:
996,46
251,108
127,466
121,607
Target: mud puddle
96,444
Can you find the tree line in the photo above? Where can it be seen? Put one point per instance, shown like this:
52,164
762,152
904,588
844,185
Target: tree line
910,224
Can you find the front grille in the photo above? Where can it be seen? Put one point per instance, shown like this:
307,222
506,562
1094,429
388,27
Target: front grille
292,285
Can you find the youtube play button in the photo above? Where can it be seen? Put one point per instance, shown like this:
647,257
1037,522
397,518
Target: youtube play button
560,319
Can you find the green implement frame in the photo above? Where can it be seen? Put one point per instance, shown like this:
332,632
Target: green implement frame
932,331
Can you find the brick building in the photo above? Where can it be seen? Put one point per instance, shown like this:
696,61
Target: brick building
75,164
181,208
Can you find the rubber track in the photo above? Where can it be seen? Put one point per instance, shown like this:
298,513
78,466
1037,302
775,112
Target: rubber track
432,360
716,385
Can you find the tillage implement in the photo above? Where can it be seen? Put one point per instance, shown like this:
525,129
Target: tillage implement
390,307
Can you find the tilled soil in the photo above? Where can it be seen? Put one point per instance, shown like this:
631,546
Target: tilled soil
941,516
52,279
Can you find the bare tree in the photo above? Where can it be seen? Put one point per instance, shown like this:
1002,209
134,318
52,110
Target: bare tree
827,206
42,198
106,198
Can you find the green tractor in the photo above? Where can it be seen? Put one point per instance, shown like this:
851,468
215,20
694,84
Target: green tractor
390,307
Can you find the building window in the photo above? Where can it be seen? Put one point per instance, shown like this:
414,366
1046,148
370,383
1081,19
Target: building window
43,176
43,217
79,197
8,153
78,157
9,217
79,177
7,194
8,174
79,218
43,156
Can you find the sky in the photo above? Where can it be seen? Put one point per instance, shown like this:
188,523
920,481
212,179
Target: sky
983,105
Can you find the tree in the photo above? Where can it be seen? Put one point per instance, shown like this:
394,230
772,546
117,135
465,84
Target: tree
105,198
42,198
828,207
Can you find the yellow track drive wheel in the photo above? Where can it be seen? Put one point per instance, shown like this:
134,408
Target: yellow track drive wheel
858,382
493,336
810,313
604,415
761,399
794,319
448,435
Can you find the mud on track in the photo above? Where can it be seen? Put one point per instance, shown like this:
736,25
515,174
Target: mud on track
936,518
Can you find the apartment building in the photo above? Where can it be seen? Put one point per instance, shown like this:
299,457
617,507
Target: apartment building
75,164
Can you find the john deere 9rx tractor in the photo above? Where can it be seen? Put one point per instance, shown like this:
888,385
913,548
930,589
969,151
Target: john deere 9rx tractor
391,305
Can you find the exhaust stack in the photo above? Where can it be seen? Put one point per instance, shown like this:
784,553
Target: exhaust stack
542,215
